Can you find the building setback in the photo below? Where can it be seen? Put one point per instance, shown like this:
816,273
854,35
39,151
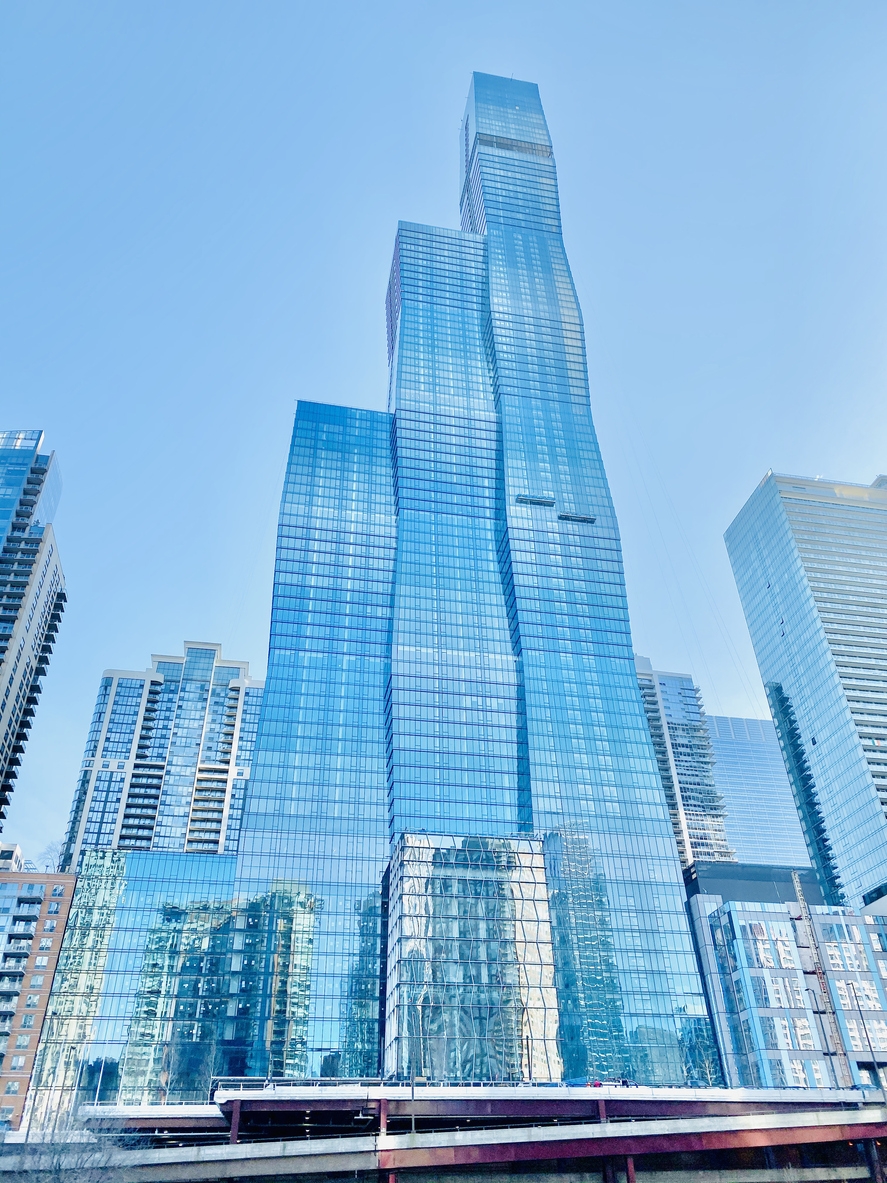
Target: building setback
451,671
167,758
761,816
810,561
32,590
677,722
455,859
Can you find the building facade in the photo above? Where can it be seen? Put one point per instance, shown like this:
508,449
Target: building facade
167,758
760,952
810,561
32,590
451,656
33,914
761,819
160,980
682,743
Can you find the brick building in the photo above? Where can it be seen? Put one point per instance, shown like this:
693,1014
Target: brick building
33,913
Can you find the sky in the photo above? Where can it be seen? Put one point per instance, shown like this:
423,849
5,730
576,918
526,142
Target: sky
197,209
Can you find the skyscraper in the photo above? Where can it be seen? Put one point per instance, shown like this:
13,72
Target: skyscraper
810,561
761,816
32,590
167,757
451,683
676,718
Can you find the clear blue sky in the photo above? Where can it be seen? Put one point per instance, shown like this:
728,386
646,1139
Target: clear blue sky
198,205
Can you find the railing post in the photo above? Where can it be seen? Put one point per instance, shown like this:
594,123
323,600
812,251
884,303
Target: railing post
235,1121
383,1116
629,1169
873,1160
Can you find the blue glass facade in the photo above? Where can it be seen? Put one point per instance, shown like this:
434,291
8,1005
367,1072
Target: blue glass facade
450,646
810,561
32,590
317,808
454,856
761,816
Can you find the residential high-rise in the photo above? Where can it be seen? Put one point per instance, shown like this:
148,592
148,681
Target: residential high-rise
32,590
761,819
810,561
167,757
677,722
451,682
34,910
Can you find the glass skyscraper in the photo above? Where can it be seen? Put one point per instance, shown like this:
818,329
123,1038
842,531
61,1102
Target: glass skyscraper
761,816
32,590
167,757
455,859
810,561
451,687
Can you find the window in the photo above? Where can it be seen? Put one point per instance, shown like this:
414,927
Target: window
59,889
850,955
798,1073
818,1074
17,1063
37,979
869,995
48,926
803,1035
22,1041
11,1087
27,1021
877,1030
6,1112
844,995
45,943
54,908
784,1032
834,957
777,986
41,962
855,1037
32,1000
786,955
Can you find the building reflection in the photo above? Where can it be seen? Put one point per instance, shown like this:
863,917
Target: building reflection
470,991
167,980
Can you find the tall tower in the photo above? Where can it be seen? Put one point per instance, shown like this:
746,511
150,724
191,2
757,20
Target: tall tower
451,710
810,561
675,715
32,590
167,758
